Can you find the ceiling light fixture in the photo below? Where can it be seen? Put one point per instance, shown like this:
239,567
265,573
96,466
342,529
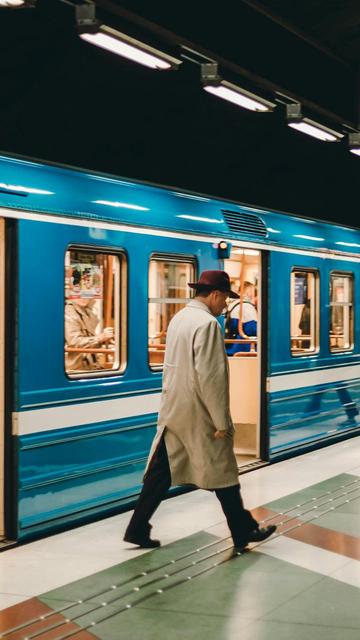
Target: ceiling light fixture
214,84
354,143
112,40
296,120
17,4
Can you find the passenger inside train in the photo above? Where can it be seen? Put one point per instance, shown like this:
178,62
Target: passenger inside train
89,331
242,320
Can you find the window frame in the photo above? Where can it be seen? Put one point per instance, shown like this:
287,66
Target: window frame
351,276
316,273
166,257
122,353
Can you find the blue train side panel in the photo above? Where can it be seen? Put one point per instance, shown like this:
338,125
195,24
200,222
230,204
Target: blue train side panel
69,474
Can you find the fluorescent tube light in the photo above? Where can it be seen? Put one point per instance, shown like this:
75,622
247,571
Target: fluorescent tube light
213,83
123,45
241,98
312,128
12,3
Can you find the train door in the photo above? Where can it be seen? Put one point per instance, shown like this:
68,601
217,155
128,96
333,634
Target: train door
243,343
2,378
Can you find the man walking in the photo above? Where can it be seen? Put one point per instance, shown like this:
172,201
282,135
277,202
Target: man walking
194,440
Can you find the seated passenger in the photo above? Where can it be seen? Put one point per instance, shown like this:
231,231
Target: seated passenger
249,320
80,332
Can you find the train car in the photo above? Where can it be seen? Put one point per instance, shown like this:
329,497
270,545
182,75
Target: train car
92,268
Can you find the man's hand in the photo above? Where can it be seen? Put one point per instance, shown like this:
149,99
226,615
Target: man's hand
106,335
220,434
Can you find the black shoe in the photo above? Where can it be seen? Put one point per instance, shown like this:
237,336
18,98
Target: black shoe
143,541
141,538
240,547
261,533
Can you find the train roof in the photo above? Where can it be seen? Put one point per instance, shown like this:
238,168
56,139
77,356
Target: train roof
36,186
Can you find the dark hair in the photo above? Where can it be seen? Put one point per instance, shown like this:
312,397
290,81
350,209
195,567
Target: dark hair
204,290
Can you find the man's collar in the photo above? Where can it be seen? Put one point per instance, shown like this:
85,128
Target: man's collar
196,304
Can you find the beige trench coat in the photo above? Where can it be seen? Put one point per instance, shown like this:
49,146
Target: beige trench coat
195,402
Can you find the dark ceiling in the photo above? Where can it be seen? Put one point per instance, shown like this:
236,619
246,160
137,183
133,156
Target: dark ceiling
65,101
334,24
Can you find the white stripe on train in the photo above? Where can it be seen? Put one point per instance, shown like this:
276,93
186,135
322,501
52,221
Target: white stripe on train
50,418
313,378
38,420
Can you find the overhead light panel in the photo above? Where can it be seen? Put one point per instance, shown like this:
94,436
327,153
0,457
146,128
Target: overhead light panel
214,84
296,120
112,40
354,143
16,4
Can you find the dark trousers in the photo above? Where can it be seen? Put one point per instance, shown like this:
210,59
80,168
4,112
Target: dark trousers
156,484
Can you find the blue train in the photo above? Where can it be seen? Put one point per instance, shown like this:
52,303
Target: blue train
92,268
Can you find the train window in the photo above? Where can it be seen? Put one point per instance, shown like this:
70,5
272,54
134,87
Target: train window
93,293
168,293
304,312
341,312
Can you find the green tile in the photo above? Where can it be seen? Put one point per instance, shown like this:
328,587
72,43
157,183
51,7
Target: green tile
266,630
237,588
328,602
353,506
313,491
148,624
241,588
292,499
89,587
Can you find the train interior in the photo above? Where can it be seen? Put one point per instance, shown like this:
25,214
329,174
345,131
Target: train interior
2,369
243,348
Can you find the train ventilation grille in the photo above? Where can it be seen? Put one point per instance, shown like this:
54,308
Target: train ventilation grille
246,223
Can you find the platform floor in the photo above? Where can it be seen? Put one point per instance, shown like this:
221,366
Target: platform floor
301,584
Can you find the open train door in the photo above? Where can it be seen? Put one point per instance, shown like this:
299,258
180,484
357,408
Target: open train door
2,379
245,346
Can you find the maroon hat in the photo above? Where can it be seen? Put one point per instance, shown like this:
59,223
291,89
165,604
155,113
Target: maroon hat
215,280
